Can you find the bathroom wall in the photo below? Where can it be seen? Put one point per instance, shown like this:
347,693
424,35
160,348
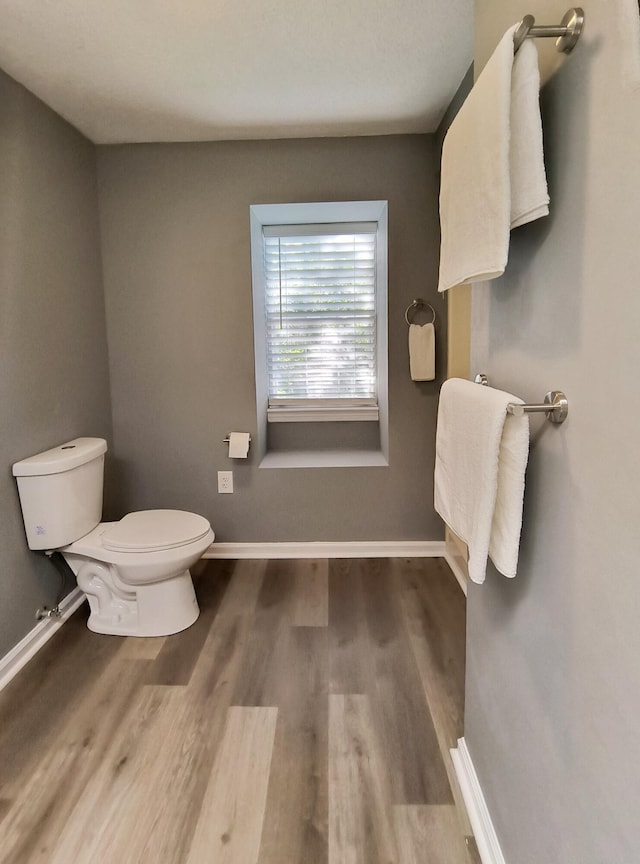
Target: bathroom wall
553,690
53,354
175,241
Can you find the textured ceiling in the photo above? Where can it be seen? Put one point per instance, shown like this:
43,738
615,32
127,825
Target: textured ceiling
192,70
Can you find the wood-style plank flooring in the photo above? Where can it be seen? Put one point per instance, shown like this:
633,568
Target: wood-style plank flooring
305,718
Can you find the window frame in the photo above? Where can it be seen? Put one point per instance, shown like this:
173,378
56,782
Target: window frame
318,213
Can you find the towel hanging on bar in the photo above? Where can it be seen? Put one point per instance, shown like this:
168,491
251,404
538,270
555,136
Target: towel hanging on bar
493,176
481,457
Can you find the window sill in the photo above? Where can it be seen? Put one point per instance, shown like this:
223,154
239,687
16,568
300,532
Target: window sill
326,459
356,413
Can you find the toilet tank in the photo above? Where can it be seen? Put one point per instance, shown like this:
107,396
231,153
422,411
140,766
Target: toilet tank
61,492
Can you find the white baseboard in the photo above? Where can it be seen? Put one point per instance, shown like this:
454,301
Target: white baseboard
479,816
457,571
355,549
13,662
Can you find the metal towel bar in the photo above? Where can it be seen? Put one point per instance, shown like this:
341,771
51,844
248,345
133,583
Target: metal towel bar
555,405
568,31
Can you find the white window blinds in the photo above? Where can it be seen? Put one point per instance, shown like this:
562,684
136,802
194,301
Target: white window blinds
320,314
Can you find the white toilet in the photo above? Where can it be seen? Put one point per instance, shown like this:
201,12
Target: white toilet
135,572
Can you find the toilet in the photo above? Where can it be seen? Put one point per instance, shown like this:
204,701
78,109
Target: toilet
135,572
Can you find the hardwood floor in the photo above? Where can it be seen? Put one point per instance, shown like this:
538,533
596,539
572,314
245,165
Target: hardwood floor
305,718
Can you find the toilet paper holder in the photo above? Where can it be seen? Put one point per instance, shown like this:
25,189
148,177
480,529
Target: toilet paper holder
239,444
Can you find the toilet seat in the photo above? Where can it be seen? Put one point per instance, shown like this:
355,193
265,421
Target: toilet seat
154,531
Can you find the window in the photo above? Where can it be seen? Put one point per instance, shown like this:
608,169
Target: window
319,286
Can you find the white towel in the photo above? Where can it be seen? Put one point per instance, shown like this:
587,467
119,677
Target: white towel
422,352
481,457
493,176
527,176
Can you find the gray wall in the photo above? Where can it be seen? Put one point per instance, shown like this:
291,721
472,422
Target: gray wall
175,242
53,355
553,690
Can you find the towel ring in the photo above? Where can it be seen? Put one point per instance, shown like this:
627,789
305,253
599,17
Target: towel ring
418,304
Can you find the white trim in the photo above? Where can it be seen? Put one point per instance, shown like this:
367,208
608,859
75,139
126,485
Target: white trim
325,459
318,213
316,414
356,549
479,816
457,571
13,662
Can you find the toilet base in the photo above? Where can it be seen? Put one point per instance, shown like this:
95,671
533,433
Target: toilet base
156,609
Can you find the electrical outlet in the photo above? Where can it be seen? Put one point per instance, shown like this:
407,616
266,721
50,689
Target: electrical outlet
225,481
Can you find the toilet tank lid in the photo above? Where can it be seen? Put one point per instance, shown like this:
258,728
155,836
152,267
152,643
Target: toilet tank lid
155,530
61,458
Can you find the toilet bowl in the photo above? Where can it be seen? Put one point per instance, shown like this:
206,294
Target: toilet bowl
135,572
